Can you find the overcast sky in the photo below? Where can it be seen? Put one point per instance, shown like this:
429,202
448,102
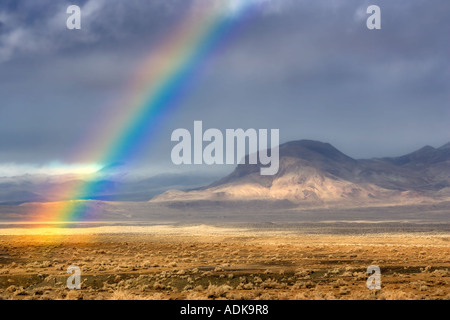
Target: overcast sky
309,68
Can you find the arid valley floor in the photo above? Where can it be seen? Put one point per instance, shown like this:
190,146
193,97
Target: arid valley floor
197,261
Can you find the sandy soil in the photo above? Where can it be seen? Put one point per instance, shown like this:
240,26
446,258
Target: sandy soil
206,262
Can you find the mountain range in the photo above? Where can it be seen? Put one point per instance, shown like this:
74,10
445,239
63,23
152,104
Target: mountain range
311,173
314,173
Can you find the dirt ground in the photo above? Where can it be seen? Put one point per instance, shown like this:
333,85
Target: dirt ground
201,262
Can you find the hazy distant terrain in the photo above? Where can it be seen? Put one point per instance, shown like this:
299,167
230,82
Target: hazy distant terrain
316,182
43,188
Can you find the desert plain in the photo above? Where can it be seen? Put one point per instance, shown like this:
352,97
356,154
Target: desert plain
299,261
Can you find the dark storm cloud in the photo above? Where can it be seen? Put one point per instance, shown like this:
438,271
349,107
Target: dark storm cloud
317,72
310,68
54,81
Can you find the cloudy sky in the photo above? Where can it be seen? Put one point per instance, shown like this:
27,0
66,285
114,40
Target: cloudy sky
309,68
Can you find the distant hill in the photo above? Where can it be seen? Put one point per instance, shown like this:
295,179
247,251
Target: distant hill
314,173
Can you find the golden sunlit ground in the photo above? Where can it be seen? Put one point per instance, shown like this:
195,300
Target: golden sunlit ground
206,262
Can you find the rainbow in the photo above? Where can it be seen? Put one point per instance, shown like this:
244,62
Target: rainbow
160,83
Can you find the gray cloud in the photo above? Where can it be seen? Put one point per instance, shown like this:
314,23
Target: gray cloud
309,68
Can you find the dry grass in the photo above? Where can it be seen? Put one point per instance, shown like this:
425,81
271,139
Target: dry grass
224,266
